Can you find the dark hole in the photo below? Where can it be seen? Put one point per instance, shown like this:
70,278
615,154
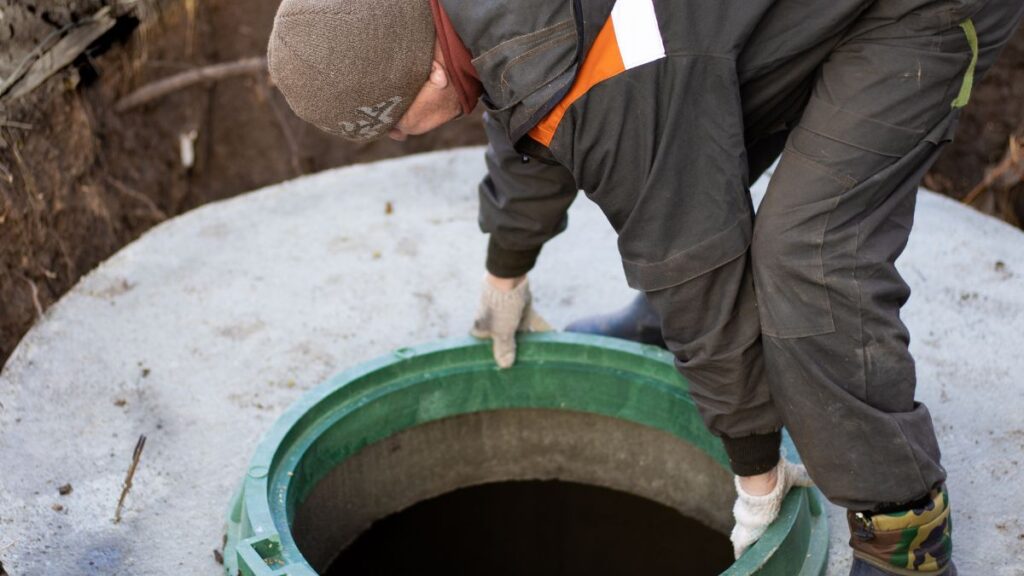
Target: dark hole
122,31
118,34
536,528
48,18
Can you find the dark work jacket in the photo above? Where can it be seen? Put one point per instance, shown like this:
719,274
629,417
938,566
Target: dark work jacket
526,52
652,143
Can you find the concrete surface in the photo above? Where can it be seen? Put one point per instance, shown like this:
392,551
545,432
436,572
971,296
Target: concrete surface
200,333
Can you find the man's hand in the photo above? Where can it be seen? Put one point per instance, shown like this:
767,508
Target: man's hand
754,513
506,308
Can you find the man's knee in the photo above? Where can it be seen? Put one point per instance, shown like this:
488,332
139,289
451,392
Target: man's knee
792,296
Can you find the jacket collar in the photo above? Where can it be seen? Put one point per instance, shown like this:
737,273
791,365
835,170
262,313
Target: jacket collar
458,60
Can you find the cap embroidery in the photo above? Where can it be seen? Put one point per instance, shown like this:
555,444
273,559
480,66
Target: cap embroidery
376,117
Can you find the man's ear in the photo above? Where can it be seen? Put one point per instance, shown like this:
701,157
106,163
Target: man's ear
438,76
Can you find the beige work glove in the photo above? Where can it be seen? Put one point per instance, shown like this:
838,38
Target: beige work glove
754,513
503,313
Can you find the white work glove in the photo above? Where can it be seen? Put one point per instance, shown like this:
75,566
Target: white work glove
503,313
754,513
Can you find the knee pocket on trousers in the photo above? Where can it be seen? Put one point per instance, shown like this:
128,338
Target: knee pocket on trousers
789,235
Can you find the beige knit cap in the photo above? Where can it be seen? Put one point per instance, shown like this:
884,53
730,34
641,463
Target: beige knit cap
351,67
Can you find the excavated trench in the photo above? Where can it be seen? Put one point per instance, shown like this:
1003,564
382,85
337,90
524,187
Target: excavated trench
79,178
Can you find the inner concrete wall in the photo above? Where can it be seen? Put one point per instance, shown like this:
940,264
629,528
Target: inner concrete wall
452,453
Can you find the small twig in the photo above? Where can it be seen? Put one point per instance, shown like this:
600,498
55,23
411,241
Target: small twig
211,73
124,189
1010,165
26,175
976,191
69,266
35,297
15,124
34,55
190,28
127,486
55,52
282,122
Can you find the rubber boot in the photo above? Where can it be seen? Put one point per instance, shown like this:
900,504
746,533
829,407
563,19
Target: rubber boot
637,322
917,541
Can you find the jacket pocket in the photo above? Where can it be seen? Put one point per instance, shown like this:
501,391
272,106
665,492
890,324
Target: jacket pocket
940,15
693,262
789,239
516,68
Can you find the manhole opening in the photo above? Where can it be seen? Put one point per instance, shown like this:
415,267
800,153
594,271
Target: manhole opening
539,528
368,467
517,491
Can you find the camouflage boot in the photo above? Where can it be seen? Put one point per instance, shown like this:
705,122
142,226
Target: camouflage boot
909,543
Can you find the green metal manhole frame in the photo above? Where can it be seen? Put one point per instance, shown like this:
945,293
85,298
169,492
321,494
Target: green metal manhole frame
413,386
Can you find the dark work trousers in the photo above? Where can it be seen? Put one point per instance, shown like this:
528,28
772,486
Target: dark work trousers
820,273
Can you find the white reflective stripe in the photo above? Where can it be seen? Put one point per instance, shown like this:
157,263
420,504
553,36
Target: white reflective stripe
637,32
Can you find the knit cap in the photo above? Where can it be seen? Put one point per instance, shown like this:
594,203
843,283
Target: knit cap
351,67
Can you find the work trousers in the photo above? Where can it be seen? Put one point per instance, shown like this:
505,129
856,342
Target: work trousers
804,329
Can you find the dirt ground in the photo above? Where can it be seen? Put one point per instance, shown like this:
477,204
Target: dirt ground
78,180
996,112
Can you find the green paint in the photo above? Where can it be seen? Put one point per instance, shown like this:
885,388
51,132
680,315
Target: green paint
418,385
947,543
965,88
901,556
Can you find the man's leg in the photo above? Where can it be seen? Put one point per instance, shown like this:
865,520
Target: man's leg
711,326
837,214
638,321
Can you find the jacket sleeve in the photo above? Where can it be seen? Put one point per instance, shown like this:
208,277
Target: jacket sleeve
523,204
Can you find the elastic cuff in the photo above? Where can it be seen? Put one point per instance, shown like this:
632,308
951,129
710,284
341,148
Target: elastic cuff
754,454
507,263
891,507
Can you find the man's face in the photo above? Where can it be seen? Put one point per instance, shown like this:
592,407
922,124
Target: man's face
436,103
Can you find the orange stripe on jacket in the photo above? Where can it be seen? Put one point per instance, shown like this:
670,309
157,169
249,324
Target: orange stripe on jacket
631,37
602,62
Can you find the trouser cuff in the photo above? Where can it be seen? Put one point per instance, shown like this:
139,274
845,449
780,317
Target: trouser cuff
754,454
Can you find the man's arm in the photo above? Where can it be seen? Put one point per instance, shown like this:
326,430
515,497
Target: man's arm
523,204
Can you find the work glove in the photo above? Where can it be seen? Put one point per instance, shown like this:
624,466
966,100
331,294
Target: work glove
754,513
502,314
